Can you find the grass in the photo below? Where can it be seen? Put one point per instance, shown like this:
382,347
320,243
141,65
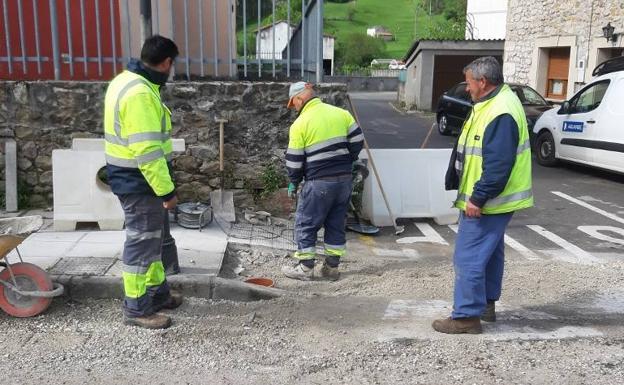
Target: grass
403,18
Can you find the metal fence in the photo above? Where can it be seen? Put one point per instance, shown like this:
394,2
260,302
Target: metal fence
93,39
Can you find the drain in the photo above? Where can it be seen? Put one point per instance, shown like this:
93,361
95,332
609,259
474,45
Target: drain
82,266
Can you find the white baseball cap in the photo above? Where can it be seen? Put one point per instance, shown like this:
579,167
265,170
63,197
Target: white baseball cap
295,89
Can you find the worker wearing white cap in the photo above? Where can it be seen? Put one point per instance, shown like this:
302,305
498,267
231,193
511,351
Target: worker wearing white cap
324,142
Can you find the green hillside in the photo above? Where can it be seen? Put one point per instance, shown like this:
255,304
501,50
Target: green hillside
398,16
407,20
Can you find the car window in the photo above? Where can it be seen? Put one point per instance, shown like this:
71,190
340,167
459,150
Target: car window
459,92
531,97
589,99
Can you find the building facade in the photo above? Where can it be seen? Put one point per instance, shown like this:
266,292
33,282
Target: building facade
554,45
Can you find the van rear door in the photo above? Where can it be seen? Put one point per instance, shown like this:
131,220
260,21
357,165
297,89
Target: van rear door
609,135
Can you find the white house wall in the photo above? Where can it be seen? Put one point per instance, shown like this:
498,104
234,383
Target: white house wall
488,19
264,44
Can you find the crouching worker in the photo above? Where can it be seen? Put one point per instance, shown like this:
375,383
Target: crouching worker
324,142
137,128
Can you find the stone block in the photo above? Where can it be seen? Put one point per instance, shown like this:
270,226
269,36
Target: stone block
79,196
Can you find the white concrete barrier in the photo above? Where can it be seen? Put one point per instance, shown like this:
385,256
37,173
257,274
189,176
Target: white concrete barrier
413,180
79,196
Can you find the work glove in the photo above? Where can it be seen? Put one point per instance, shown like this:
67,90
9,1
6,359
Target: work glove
292,190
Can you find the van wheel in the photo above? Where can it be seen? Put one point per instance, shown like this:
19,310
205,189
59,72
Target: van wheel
545,149
443,127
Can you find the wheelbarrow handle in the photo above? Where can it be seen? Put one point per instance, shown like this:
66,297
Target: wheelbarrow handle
58,290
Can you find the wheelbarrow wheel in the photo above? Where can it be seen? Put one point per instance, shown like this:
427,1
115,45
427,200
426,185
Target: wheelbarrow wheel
29,277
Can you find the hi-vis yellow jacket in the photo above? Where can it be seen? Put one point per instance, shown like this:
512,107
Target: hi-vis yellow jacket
517,193
137,129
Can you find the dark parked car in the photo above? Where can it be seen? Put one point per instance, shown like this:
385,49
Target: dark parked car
455,104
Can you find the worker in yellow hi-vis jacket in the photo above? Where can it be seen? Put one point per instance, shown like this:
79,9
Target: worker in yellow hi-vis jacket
137,129
323,143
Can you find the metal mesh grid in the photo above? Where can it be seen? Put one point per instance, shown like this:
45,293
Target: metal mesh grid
277,237
82,265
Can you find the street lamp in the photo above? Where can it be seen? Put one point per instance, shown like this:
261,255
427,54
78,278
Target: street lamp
607,32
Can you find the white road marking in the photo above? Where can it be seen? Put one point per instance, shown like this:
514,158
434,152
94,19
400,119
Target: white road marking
578,255
430,236
407,308
396,109
408,319
509,241
590,207
403,253
595,231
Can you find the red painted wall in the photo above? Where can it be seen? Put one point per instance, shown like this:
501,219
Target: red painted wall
45,41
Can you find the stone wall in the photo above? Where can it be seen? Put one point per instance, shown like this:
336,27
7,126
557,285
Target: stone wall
530,20
366,83
43,116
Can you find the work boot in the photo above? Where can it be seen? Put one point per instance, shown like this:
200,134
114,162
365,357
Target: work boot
154,321
298,271
489,314
449,325
328,272
173,302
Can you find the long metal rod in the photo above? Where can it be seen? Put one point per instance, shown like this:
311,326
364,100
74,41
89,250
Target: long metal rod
186,41
273,33
145,9
55,43
288,42
157,16
319,47
98,36
216,42
258,39
84,36
37,47
172,20
303,17
127,42
7,35
245,37
113,35
69,39
22,40
231,37
200,4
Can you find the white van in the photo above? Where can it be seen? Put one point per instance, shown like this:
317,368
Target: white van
589,128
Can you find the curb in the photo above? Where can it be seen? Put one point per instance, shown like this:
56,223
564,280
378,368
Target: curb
191,285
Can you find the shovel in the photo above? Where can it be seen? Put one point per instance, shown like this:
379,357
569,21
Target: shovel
222,201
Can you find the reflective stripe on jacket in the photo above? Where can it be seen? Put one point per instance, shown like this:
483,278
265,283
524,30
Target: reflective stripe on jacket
137,129
324,141
517,193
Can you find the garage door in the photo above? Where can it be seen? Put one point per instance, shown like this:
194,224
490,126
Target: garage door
447,71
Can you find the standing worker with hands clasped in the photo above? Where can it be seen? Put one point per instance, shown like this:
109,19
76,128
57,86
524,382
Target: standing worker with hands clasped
324,142
137,128
491,169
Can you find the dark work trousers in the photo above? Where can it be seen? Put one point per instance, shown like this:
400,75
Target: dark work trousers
479,262
143,273
322,203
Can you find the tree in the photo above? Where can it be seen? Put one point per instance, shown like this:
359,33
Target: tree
359,49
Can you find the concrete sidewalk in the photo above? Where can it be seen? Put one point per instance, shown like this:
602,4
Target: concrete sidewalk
88,263
98,253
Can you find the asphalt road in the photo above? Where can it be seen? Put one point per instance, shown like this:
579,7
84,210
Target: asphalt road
578,213
387,127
